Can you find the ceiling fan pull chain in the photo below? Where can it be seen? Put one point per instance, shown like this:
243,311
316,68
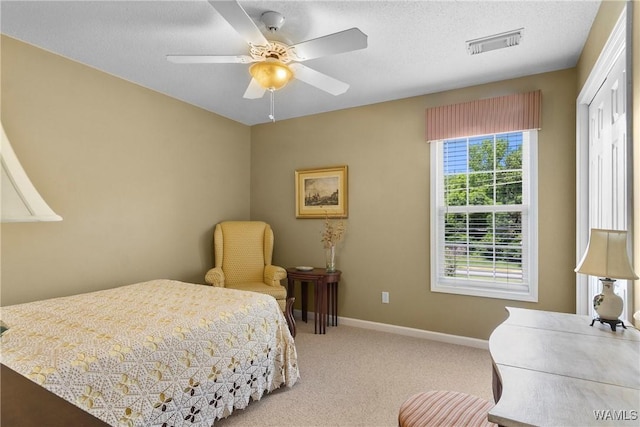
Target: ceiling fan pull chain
272,116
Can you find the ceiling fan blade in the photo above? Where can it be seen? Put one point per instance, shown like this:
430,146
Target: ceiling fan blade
318,79
209,59
344,41
235,15
254,90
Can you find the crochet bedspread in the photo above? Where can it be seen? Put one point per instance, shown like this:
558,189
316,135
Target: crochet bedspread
155,353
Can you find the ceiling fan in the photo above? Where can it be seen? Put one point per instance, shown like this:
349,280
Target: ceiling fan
276,63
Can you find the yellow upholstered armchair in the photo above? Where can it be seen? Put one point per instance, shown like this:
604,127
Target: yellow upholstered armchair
242,253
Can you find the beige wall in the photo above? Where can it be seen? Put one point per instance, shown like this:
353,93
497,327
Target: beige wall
139,178
605,20
604,23
387,241
636,151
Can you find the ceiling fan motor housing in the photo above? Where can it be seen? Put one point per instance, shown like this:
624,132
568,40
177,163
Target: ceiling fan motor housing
272,20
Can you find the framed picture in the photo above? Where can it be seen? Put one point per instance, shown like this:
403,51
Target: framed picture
321,192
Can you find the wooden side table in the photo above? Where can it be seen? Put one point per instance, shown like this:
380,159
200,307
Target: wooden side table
326,294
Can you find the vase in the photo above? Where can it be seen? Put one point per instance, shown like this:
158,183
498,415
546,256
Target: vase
330,258
608,305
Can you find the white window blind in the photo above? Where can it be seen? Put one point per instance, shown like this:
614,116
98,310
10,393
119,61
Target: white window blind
484,217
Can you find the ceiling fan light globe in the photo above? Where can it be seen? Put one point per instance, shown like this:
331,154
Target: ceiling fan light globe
271,74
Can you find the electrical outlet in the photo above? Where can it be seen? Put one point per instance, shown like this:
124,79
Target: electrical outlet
385,297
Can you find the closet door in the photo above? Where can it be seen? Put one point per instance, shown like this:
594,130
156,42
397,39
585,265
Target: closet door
608,192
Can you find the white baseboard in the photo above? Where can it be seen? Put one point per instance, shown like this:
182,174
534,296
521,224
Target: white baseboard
403,330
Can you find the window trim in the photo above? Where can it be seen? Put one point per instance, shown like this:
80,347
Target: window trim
530,193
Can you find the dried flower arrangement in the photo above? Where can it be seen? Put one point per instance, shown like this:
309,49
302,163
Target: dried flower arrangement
332,232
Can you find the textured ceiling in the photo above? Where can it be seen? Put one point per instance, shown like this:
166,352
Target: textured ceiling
414,47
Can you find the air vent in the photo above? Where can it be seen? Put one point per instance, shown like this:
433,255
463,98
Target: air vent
496,41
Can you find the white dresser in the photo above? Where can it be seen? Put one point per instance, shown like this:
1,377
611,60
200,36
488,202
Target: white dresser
554,369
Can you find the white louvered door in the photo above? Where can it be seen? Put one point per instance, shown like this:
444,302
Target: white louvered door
608,191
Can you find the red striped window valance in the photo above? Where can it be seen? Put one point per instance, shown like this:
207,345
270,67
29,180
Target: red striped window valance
520,111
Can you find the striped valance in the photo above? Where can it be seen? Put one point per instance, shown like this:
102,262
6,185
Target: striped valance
520,111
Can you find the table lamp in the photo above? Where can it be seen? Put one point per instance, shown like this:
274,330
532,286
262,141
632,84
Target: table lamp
607,258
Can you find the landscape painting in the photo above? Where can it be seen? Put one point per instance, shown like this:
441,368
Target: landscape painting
321,192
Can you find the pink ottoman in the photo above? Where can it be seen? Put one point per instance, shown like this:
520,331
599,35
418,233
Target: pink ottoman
445,409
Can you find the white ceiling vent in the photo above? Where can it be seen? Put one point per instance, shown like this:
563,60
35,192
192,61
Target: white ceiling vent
496,41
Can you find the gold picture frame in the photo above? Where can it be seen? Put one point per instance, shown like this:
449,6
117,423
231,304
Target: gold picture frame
322,192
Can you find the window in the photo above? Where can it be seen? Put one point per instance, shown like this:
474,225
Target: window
483,218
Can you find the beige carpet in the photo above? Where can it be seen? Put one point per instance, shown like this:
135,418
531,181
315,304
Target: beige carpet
359,377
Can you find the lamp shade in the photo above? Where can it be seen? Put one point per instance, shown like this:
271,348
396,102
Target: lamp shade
607,256
19,201
271,74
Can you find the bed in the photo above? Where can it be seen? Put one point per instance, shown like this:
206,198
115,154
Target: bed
158,353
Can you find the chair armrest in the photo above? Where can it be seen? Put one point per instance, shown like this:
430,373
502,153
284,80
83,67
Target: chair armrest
273,274
215,277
